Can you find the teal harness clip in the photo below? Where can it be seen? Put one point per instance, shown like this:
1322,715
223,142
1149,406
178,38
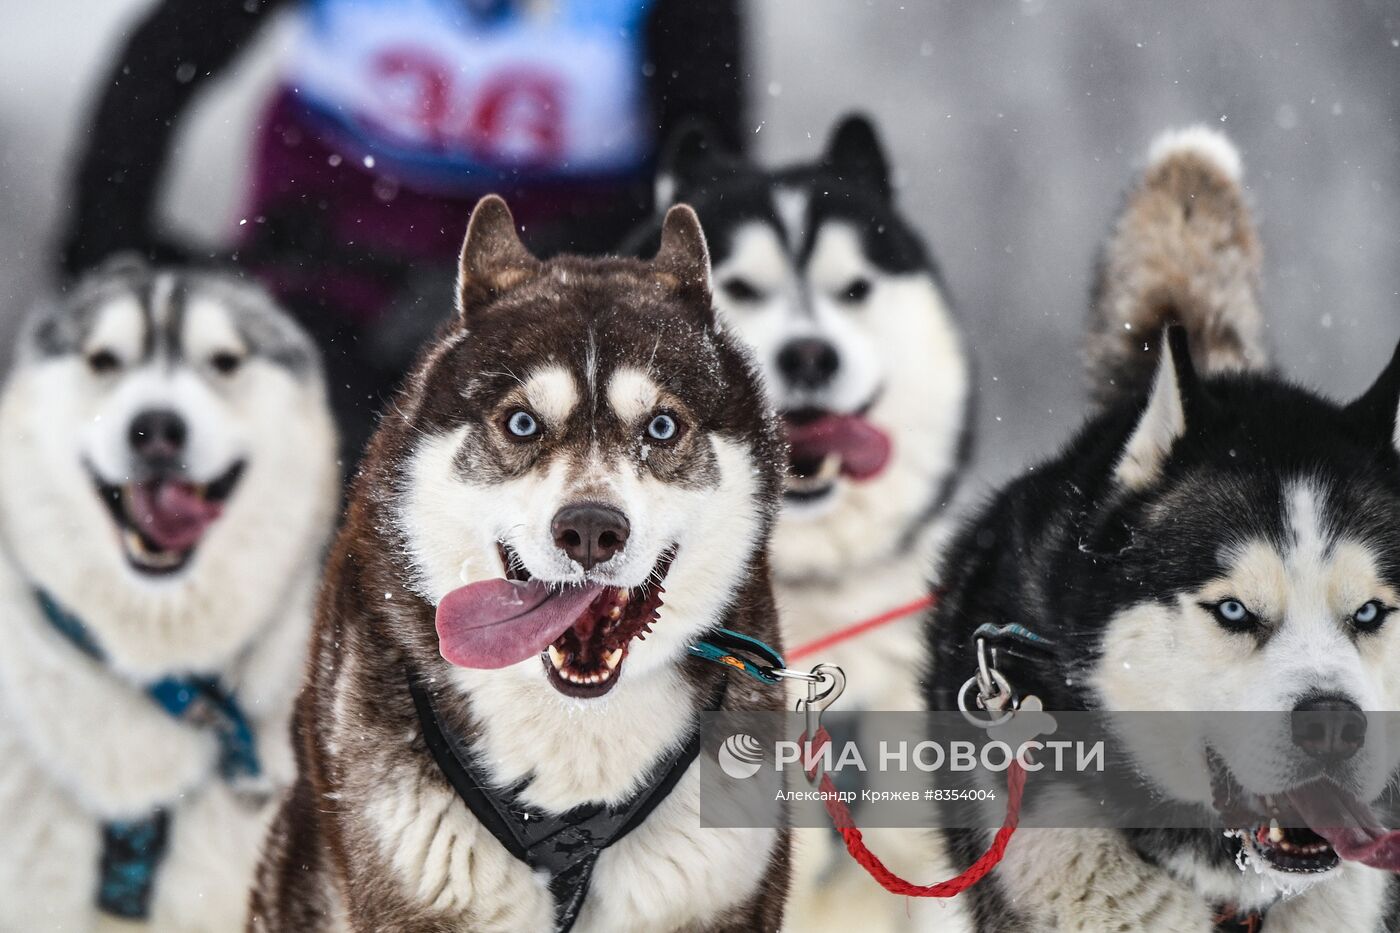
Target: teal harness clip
741,652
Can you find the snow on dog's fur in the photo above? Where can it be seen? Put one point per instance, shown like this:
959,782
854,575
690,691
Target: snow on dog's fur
1217,539
237,390
574,383
817,270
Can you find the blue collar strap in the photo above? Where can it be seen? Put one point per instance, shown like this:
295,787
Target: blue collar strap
132,849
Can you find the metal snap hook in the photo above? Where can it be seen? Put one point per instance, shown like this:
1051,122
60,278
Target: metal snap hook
998,702
819,700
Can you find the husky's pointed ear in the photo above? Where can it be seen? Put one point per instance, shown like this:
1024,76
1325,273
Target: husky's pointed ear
855,153
683,258
690,156
1164,418
1378,408
493,259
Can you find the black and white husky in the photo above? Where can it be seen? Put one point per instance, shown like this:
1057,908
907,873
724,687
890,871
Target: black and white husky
818,272
167,483
1217,539
815,269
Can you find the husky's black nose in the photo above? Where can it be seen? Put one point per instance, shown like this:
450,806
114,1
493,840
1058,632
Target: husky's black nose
590,533
808,362
1329,728
157,434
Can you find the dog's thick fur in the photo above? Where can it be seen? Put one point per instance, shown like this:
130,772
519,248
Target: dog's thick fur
373,837
1184,251
819,250
80,742
1204,481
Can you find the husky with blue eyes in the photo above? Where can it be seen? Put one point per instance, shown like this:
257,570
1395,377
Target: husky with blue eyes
500,721
1217,539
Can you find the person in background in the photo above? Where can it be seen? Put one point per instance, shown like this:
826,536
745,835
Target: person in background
391,119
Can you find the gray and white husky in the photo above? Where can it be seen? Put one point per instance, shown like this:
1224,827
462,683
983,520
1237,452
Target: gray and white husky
1215,540
816,269
167,484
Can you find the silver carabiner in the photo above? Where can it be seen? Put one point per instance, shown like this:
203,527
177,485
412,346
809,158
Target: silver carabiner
994,692
817,702
1000,703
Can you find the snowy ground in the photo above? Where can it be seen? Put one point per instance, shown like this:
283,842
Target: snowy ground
1015,126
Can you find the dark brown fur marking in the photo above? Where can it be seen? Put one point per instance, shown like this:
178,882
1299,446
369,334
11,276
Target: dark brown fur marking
355,720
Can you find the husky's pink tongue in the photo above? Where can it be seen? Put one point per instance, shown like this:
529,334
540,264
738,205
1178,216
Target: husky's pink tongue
863,448
172,513
497,623
1348,824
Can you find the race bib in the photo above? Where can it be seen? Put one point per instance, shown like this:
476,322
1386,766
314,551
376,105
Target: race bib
468,91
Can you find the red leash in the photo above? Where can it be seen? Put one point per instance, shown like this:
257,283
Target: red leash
855,843
860,628
841,816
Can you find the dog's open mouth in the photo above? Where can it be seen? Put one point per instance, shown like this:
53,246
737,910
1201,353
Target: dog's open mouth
582,632
1287,846
1309,829
161,522
824,446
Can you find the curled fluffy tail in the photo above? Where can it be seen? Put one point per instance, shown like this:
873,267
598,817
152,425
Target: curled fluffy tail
1184,251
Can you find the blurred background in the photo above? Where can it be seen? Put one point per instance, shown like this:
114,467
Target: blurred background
1014,127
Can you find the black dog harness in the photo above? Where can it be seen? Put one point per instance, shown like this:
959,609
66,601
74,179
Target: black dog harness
132,849
566,845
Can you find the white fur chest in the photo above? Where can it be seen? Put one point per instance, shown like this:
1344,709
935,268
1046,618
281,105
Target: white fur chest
79,747
666,874
49,864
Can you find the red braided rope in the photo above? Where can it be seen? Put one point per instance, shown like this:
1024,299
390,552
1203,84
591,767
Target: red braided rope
855,843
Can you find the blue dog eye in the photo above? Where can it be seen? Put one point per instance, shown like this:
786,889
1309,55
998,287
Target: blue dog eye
1232,615
1233,610
522,424
1369,615
662,428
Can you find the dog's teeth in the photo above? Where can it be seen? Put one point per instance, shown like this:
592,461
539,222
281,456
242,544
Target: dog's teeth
613,658
829,470
615,613
158,560
1275,833
556,657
